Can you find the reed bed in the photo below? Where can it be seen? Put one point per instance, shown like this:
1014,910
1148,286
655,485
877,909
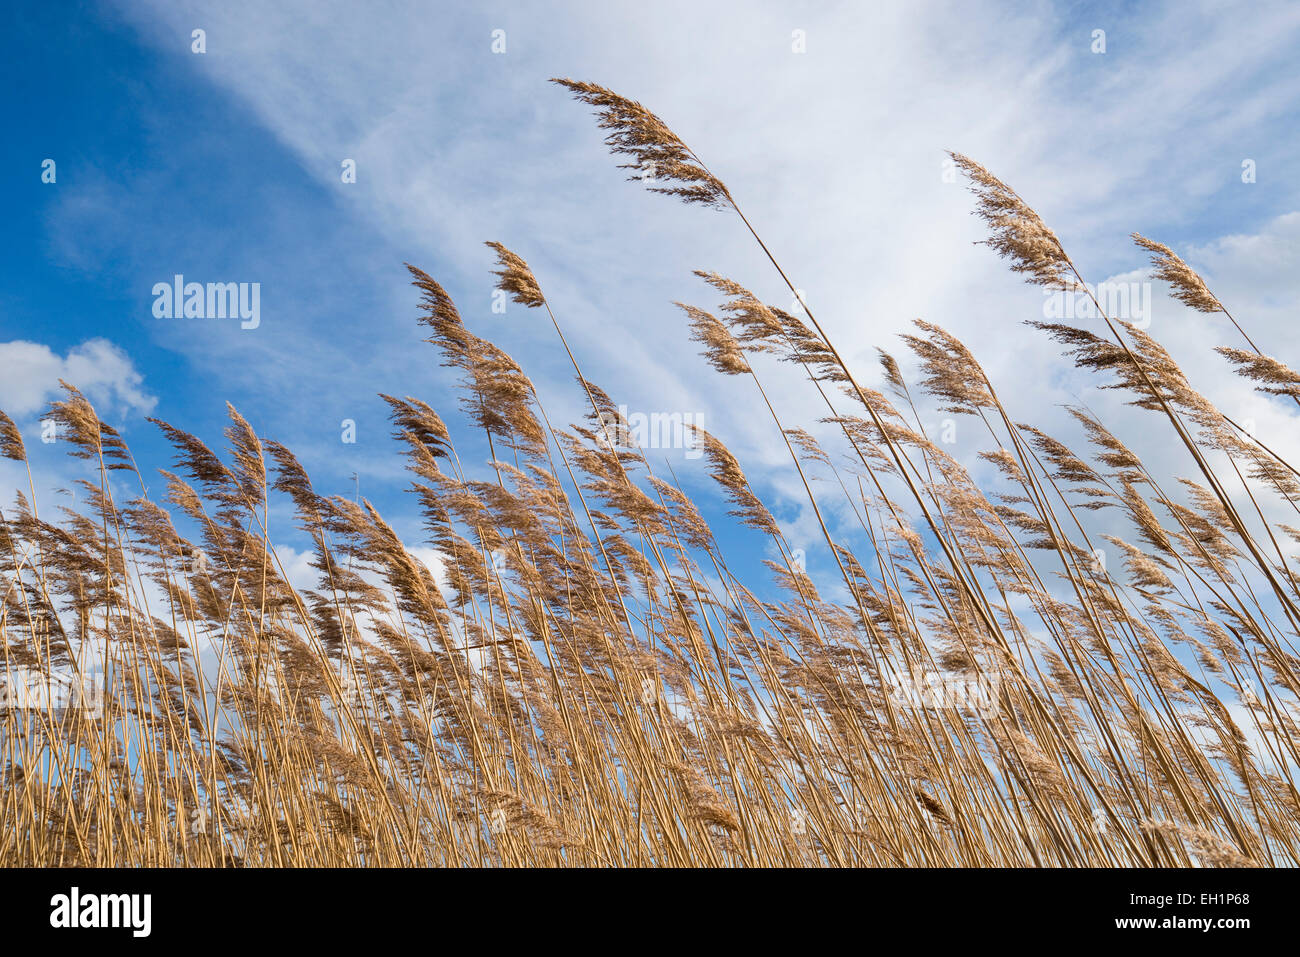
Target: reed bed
587,681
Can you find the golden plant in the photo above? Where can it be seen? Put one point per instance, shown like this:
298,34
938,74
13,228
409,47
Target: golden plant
586,681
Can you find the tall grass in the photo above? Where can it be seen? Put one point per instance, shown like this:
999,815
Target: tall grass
587,681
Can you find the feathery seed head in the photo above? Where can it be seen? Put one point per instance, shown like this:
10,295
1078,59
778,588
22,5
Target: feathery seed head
659,155
1188,287
516,278
1019,233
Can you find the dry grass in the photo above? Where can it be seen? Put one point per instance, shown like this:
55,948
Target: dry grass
590,684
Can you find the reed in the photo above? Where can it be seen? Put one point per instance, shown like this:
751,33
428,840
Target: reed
589,681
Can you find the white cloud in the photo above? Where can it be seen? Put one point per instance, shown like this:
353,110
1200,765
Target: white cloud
434,561
296,568
97,367
1255,275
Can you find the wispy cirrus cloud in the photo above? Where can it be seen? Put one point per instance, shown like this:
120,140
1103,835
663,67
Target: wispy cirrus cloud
836,152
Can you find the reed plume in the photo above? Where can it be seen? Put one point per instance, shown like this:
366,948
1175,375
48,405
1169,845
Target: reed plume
1045,654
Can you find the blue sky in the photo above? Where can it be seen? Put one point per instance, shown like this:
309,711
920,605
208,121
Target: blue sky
225,166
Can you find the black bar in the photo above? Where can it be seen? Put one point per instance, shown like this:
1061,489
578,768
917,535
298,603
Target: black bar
380,907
